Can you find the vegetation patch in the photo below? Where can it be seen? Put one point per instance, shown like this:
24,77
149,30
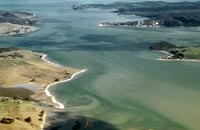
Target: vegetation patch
177,52
7,120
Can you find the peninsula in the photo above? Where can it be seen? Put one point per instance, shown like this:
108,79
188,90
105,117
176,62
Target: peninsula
154,13
24,79
177,52
15,22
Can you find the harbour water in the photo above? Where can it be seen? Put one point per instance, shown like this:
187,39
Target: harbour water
125,86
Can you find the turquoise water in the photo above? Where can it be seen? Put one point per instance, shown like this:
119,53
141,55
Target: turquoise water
125,86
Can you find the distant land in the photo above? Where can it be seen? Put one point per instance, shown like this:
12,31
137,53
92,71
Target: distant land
158,13
177,52
15,22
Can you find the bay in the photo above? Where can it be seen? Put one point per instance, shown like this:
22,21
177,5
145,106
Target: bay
125,86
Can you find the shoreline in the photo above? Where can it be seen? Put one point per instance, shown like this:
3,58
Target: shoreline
44,58
183,60
53,99
35,74
44,121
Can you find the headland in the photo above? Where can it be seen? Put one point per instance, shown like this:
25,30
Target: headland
174,53
25,77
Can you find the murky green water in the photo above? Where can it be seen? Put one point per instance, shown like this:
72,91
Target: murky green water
125,86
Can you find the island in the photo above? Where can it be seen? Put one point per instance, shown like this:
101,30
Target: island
15,22
25,77
154,13
174,52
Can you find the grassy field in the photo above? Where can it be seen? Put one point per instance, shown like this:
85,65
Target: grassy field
20,110
5,63
15,92
192,53
22,66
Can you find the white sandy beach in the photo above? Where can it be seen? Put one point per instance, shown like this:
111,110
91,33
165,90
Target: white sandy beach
58,104
191,60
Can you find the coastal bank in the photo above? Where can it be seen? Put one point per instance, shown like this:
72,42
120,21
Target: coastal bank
28,71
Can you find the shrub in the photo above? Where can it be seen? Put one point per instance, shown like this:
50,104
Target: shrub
7,120
28,119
